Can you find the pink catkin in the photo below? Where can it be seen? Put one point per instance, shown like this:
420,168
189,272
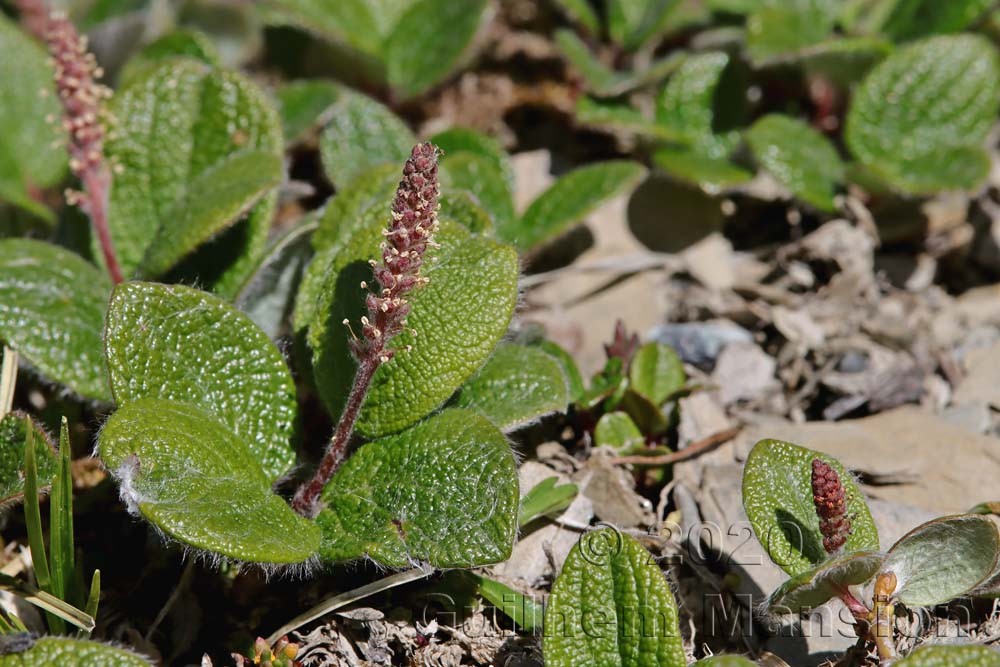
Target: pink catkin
410,231
82,100
408,236
831,506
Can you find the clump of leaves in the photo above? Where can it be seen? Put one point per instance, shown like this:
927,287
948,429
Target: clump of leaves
407,45
910,94
814,523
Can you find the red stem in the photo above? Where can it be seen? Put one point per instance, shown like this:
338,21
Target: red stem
306,500
96,188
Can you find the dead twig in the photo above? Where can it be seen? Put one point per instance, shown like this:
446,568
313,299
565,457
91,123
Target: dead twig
691,451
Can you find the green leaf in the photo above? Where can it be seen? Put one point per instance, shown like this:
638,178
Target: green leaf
692,108
631,22
546,497
181,43
923,578
301,103
362,134
580,11
657,372
920,119
175,342
799,157
516,386
444,492
480,176
603,81
269,293
521,609
459,318
780,27
611,605
216,199
354,22
176,124
13,438
711,174
346,210
52,305
66,652
968,655
428,42
844,60
911,19
619,117
616,429
570,369
571,198
812,588
465,209
27,98
777,496
201,484
460,139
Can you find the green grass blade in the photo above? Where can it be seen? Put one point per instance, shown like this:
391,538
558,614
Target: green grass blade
61,556
33,514
94,599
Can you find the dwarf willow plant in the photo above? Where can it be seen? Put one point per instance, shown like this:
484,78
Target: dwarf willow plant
876,73
410,287
813,521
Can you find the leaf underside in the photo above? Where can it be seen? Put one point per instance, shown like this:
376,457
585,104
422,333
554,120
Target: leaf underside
199,483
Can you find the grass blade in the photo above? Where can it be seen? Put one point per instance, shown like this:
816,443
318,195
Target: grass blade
61,556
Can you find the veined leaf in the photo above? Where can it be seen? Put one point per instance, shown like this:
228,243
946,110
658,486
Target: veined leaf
459,318
302,102
52,305
569,367
571,198
199,483
428,41
780,27
175,342
177,122
483,179
799,157
711,174
13,438
910,19
517,385
26,651
216,199
691,108
968,655
616,429
777,496
611,605
444,492
29,97
463,140
357,23
920,118
362,134
656,372
182,43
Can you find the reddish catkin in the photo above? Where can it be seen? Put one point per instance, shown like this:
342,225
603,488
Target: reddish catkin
82,99
831,506
408,236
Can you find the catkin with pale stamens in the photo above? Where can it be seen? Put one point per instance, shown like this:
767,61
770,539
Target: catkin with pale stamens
409,234
82,99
